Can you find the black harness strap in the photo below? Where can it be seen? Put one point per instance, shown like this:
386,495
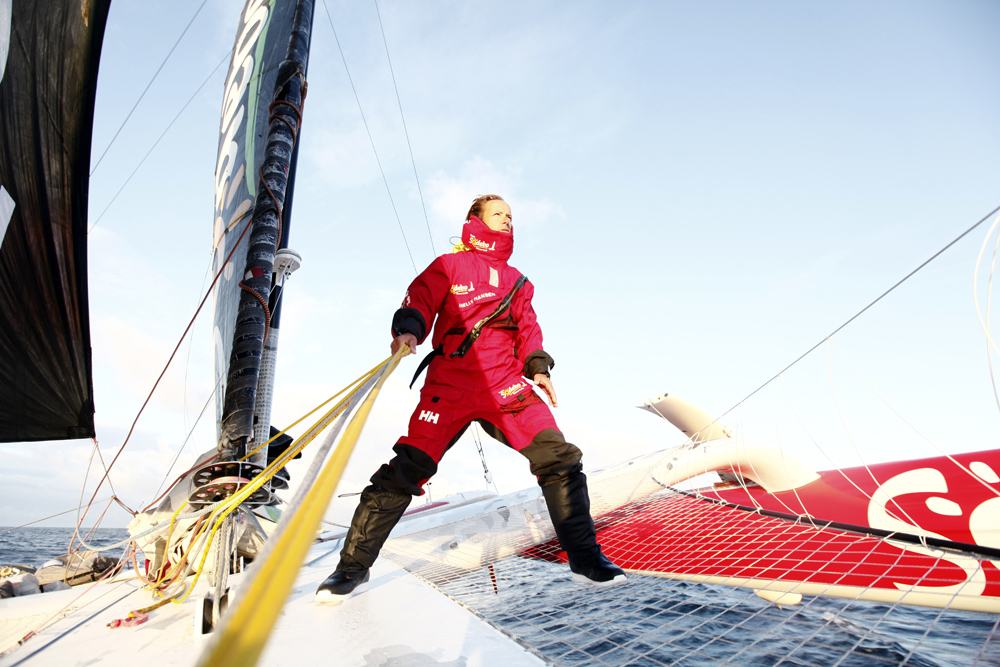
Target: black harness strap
478,329
473,335
426,361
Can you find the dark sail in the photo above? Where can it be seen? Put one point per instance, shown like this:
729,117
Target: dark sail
268,62
49,53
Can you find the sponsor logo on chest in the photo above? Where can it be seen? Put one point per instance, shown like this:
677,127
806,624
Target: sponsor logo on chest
478,297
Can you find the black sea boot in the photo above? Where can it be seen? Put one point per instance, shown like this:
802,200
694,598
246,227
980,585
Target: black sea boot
569,509
378,512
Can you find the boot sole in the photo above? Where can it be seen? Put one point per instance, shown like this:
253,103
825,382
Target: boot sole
580,579
327,597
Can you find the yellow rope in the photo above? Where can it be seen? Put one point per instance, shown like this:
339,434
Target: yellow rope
227,507
246,629
311,412
460,247
219,515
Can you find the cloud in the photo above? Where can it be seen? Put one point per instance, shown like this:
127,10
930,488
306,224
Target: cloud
343,157
449,196
60,488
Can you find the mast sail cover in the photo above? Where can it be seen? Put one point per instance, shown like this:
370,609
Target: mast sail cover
49,53
262,40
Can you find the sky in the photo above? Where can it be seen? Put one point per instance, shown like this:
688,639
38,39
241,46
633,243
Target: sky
701,193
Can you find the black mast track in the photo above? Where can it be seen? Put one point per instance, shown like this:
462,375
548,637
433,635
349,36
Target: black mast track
267,229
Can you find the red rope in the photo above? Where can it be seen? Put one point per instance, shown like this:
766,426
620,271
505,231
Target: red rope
263,304
260,170
270,193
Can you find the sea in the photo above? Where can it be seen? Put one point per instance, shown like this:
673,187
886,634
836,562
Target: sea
654,622
657,622
34,546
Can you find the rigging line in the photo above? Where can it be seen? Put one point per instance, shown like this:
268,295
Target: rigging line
187,362
981,656
79,503
985,324
860,312
246,228
97,524
180,450
823,452
157,142
370,139
104,465
146,90
51,516
405,131
933,444
989,297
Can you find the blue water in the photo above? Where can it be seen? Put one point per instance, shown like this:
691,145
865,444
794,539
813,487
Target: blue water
652,622
33,546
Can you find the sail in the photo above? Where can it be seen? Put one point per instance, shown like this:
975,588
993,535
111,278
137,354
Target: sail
49,54
262,44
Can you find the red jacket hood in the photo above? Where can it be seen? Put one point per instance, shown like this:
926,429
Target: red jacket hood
491,244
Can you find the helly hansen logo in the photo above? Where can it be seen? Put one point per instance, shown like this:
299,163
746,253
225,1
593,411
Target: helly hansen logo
428,416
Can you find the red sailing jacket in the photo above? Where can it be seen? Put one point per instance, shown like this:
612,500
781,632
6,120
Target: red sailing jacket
459,289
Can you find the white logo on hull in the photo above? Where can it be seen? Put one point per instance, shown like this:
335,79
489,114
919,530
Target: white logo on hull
981,522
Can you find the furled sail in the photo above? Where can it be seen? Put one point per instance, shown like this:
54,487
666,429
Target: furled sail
261,62
49,54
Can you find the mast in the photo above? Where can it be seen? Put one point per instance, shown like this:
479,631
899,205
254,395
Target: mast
268,232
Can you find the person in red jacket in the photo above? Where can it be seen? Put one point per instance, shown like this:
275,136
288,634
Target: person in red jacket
486,342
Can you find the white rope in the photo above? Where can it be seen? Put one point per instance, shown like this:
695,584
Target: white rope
850,436
915,429
985,323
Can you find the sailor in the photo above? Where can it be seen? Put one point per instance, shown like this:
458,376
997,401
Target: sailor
475,374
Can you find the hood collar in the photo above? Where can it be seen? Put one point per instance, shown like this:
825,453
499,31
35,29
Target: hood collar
483,240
